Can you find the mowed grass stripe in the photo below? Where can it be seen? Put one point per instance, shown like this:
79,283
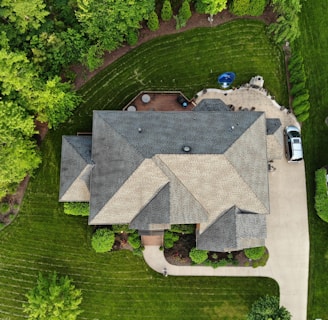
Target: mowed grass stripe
120,285
313,44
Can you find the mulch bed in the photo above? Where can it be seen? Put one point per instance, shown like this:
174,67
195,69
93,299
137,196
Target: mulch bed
179,254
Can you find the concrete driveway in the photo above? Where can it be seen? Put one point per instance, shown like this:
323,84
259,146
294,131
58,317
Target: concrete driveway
287,224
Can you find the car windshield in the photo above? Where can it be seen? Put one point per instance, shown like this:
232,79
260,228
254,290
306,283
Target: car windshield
294,134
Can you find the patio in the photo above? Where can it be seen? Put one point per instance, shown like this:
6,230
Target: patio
158,101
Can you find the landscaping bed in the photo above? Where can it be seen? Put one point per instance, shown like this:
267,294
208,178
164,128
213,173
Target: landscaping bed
179,255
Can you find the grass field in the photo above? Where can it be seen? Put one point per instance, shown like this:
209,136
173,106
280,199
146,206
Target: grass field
120,285
314,46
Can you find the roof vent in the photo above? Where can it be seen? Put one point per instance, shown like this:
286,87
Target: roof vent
139,130
186,149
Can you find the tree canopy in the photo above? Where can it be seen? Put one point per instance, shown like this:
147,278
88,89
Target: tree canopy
53,298
24,14
108,22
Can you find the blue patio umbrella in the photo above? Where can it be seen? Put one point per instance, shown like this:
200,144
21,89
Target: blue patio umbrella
226,79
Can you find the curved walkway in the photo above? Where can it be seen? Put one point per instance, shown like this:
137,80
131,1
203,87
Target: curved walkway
287,225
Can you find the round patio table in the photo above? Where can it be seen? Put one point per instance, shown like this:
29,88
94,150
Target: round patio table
132,108
145,98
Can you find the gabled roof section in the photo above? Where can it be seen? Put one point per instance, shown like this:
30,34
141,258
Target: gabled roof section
133,195
156,212
75,169
249,158
115,161
151,133
211,105
213,182
220,234
234,230
184,208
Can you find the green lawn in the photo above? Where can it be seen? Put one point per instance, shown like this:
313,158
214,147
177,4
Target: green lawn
314,46
120,285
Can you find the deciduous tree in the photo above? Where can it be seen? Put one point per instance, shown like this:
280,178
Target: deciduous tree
24,14
213,7
107,22
53,298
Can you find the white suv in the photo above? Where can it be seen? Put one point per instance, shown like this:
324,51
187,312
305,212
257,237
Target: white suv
293,144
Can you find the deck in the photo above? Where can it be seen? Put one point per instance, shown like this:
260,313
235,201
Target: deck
158,101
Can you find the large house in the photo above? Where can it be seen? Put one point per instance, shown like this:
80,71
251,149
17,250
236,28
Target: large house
149,169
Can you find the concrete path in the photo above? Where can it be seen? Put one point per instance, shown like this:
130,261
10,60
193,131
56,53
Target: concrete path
287,224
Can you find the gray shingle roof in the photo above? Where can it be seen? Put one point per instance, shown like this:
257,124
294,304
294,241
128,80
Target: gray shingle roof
143,176
274,139
211,105
76,167
234,230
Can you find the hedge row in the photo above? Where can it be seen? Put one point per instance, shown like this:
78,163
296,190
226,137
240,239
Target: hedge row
300,94
321,198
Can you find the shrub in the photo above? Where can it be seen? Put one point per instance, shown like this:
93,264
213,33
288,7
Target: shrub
183,15
132,37
254,253
304,107
198,256
53,298
134,240
248,7
2,225
183,228
166,13
257,7
302,117
153,23
169,239
120,228
138,252
185,12
77,208
268,308
103,240
321,198
262,261
300,99
298,88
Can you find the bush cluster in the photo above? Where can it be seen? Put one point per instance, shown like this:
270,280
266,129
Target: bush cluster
300,94
286,27
183,228
103,240
120,228
169,239
248,7
134,240
77,208
198,256
254,253
321,197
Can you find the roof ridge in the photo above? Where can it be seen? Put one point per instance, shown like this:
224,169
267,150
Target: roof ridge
68,142
77,150
151,199
120,135
237,171
157,156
